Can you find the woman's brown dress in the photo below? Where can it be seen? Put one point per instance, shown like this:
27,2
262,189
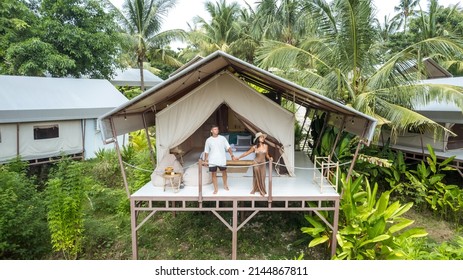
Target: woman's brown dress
258,182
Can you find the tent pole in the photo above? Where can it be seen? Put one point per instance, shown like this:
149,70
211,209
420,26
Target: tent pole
422,146
83,124
270,184
309,130
341,130
351,168
321,134
121,163
200,182
150,146
17,139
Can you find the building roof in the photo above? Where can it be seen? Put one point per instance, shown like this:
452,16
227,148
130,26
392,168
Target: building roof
443,111
31,99
133,114
432,69
131,77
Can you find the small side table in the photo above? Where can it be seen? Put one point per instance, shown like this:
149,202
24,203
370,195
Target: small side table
175,180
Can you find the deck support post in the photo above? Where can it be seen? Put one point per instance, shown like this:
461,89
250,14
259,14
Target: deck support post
133,224
354,159
119,157
325,122
334,242
150,145
235,230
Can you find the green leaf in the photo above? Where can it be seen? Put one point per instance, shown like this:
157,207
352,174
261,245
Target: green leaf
401,225
318,241
376,239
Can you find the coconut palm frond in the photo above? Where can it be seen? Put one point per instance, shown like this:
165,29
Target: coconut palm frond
282,55
403,119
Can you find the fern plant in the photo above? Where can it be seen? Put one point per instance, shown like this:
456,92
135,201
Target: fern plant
65,195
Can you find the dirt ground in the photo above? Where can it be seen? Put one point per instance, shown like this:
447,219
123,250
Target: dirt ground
438,230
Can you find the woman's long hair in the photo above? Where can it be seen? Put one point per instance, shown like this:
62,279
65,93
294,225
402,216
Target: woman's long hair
257,143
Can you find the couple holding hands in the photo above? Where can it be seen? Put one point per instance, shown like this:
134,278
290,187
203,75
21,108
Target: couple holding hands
215,157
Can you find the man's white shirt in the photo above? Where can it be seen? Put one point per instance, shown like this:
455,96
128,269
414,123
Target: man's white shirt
216,148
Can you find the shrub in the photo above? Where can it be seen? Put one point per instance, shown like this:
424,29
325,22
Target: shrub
23,227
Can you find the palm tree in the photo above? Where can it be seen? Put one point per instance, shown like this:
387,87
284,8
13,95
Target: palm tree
406,9
218,34
142,21
343,63
282,20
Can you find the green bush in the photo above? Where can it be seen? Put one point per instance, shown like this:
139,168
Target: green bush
23,227
370,225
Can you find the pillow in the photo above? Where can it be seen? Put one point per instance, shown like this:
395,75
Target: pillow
190,177
243,140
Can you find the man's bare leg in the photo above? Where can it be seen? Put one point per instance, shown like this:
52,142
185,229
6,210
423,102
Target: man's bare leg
224,177
214,182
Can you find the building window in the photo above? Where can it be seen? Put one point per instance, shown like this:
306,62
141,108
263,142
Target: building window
46,132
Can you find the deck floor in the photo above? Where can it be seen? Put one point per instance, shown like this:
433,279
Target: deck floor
283,187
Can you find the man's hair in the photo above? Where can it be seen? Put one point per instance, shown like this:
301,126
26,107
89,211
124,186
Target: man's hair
214,125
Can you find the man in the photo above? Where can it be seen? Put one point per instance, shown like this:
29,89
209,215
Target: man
214,156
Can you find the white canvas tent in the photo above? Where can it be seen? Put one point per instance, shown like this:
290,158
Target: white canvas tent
192,110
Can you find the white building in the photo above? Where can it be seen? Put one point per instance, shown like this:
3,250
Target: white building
44,118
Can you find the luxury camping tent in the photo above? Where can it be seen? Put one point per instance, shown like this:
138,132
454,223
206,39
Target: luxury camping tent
42,118
242,99
219,89
447,114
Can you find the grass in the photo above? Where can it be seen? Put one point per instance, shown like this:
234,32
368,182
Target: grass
201,236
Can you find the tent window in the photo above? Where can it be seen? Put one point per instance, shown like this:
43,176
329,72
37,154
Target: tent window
46,132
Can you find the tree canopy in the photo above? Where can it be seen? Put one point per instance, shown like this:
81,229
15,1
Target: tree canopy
58,38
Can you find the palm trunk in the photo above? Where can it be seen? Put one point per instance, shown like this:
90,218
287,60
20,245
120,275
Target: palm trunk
142,80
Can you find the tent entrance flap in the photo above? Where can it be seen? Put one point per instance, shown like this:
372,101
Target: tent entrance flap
180,120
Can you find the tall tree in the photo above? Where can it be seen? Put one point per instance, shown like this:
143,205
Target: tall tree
282,20
69,38
435,22
142,20
220,33
345,65
15,22
406,8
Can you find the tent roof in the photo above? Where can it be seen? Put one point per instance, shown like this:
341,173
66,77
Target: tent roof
131,77
160,96
28,99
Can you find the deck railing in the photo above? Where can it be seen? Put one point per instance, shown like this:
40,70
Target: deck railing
236,163
326,173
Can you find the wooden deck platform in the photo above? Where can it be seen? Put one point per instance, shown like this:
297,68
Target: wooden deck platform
301,186
285,194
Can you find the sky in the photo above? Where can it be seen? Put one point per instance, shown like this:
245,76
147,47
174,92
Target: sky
185,10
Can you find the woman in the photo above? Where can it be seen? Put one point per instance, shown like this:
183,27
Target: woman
261,150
